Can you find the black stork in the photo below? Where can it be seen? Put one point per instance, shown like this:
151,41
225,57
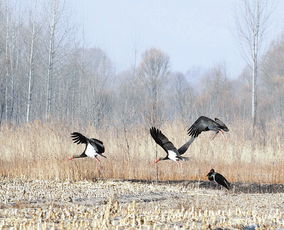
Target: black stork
93,149
218,178
205,124
173,153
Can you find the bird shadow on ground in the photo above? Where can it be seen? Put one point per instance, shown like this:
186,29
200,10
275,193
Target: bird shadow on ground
236,187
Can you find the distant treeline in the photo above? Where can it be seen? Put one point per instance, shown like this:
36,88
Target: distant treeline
46,73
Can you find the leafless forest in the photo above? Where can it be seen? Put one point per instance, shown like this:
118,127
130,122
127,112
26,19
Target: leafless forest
51,85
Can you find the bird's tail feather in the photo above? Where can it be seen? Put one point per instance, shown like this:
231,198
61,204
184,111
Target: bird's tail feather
184,158
228,184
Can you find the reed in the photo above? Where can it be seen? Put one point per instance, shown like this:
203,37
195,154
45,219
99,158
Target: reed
40,150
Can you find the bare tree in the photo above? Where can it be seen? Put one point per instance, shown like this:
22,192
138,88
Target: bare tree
273,80
31,62
217,93
252,23
7,75
51,54
12,56
95,84
183,96
153,70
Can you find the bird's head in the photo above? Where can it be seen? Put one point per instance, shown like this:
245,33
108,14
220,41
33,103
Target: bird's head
211,172
222,125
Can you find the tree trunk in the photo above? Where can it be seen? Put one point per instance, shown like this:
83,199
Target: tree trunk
254,94
255,54
31,71
51,53
252,24
7,63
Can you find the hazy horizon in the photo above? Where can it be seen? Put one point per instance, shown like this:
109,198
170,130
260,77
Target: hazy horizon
194,34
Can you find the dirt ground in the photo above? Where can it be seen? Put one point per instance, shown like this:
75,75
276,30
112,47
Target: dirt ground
110,204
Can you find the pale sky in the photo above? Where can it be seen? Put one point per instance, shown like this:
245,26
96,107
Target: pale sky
193,33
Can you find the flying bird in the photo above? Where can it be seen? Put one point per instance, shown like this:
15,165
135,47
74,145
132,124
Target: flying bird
218,178
93,148
205,124
173,153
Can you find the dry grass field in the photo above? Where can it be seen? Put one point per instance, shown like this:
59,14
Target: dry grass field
40,151
41,189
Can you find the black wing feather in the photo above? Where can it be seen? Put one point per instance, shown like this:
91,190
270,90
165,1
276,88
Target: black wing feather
220,179
98,144
161,139
221,124
185,146
201,124
78,138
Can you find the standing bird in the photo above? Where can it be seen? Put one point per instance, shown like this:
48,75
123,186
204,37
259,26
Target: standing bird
93,149
205,124
218,178
172,153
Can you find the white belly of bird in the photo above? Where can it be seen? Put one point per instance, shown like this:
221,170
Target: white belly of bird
172,155
90,151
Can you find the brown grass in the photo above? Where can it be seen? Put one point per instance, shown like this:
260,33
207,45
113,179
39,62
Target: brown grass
39,150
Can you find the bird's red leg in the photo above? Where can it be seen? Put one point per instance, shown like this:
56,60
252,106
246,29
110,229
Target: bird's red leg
223,134
97,159
178,163
156,161
215,135
71,158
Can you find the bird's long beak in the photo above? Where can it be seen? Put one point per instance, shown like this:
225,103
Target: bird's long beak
103,156
156,161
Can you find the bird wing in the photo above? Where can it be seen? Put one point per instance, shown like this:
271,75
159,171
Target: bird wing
201,124
220,179
78,138
99,145
161,139
184,147
221,124
210,178
183,158
83,155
